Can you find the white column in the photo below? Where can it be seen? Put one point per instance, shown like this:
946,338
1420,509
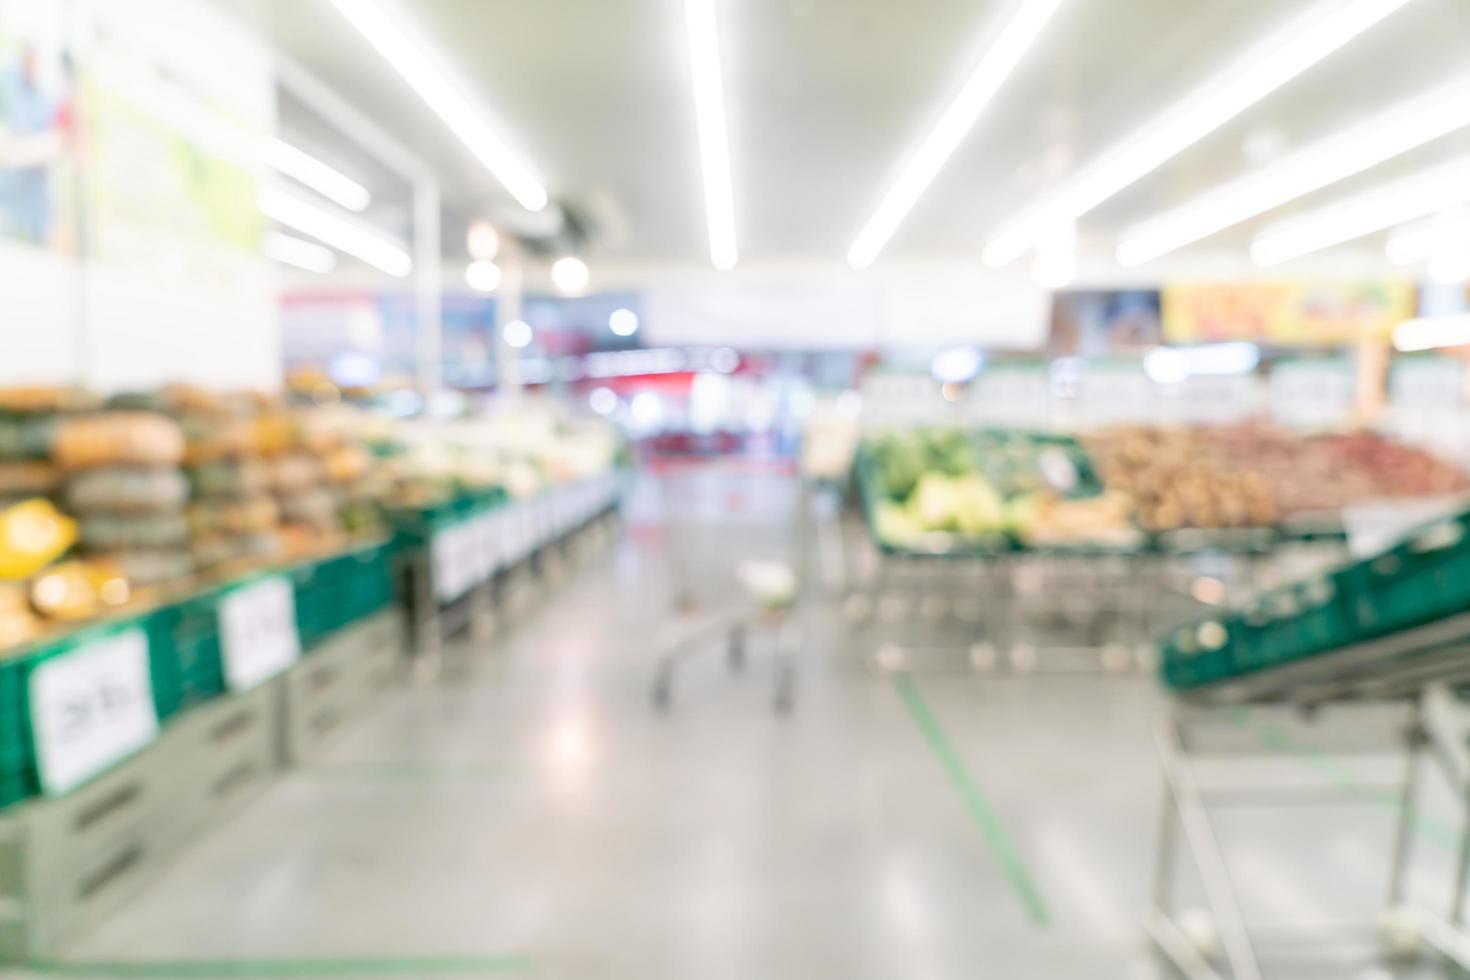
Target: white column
428,284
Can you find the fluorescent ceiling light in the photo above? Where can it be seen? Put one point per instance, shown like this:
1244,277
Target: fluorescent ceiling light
298,252
1449,267
1431,332
995,65
1055,264
714,140
374,248
448,100
1171,365
1262,70
482,241
325,180
623,322
1362,214
1415,243
957,365
517,333
1383,137
570,275
483,276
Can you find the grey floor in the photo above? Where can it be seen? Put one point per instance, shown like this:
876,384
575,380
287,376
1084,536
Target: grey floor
527,813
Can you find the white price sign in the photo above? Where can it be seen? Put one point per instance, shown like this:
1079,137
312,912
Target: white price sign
452,554
90,708
482,529
258,637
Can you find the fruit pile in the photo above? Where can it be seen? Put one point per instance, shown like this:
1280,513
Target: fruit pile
1184,477
942,487
1043,490
1255,475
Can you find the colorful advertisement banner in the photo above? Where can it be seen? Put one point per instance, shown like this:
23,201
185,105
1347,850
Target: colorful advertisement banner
1286,313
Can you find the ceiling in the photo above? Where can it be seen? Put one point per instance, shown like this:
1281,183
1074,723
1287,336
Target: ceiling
826,97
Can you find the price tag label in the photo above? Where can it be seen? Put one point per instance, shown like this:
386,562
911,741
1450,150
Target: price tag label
258,637
486,560
452,560
90,708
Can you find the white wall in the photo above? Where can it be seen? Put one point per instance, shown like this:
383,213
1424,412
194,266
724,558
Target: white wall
826,305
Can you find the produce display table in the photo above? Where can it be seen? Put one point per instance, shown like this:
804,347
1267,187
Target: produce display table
455,556
1389,632
1015,575
125,738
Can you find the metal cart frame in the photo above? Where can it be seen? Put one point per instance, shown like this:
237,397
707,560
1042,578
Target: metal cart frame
1416,670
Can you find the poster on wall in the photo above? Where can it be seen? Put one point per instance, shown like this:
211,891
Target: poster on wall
1286,313
173,152
38,168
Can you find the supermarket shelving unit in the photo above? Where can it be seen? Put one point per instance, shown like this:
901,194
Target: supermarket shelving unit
1110,602
1414,673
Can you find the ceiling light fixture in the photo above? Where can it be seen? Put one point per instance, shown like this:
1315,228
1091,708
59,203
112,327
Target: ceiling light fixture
995,65
483,276
714,140
1449,266
374,248
1416,242
1429,333
517,334
1366,145
1362,214
298,252
570,275
482,241
623,322
1284,55
450,102
1055,265
326,180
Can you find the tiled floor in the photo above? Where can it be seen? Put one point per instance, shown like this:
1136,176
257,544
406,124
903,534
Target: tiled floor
528,813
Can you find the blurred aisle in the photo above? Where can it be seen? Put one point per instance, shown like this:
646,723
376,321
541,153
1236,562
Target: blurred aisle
529,814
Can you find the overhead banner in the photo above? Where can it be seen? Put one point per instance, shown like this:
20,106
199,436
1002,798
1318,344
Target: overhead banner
1286,313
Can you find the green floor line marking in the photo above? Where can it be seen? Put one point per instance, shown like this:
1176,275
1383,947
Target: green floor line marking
1274,737
980,809
376,966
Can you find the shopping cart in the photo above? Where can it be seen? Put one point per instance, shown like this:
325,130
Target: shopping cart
736,542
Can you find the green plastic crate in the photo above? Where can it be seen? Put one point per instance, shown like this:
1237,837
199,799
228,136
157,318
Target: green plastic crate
1300,620
1424,577
1200,653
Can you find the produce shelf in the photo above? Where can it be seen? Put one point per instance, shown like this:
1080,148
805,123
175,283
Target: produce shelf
184,649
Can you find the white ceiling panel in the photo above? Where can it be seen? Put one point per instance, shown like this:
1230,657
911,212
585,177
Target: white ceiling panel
826,98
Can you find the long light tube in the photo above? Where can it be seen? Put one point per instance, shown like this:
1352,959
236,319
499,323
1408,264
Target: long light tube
1432,332
376,249
993,68
1415,243
298,252
1363,214
1352,151
714,139
445,97
326,180
1262,70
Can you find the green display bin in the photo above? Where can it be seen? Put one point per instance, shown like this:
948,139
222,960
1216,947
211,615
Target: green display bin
1300,620
341,590
1424,577
1200,653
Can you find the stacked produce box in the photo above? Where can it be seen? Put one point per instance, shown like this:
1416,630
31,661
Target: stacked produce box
125,484
234,520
